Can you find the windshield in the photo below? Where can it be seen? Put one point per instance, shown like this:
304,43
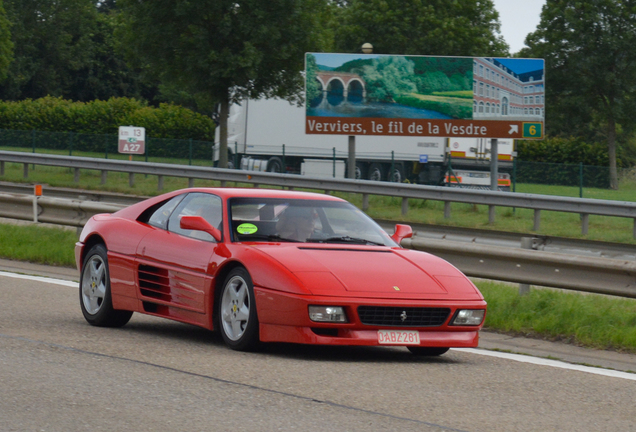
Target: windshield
311,221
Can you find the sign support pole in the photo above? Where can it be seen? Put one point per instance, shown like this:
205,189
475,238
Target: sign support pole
494,165
351,162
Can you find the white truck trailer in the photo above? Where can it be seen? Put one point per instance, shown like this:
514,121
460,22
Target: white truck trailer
469,162
269,135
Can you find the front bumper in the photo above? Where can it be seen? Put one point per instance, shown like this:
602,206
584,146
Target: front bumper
284,317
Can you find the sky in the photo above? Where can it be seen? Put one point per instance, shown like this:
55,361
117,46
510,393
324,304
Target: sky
518,18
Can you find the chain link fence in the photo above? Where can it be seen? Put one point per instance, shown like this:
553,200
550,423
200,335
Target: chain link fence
577,175
72,142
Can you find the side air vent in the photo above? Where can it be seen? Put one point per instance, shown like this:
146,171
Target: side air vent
154,282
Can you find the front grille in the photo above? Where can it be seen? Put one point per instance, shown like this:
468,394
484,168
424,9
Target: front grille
403,316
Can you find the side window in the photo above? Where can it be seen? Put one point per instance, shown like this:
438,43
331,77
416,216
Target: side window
197,204
159,218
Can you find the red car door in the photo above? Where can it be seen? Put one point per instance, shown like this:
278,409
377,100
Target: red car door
176,267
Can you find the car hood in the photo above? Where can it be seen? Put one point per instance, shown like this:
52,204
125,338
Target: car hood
372,272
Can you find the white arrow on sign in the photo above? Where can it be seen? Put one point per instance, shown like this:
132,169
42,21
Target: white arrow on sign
513,129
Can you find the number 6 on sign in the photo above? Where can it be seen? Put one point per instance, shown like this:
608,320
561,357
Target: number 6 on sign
532,130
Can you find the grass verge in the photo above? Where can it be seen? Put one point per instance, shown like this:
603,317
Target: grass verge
588,320
43,245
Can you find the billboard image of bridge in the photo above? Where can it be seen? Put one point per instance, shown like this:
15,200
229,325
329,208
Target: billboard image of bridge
358,94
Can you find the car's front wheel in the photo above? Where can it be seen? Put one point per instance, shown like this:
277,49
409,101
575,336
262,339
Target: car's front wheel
238,321
94,291
427,351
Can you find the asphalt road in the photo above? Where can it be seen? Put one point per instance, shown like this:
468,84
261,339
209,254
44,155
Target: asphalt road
57,373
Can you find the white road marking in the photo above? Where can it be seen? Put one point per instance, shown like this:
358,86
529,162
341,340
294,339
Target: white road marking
551,363
41,279
498,354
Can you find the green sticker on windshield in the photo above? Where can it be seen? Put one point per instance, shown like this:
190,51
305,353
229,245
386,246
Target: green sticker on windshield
246,228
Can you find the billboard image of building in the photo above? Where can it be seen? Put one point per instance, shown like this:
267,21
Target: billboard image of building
508,88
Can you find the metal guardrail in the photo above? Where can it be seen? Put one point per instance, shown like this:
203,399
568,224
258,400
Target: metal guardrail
580,273
584,207
573,272
57,211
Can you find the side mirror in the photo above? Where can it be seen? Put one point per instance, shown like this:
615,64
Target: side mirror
198,223
402,232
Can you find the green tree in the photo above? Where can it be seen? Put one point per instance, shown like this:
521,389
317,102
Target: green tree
52,40
66,48
6,45
588,47
421,27
225,50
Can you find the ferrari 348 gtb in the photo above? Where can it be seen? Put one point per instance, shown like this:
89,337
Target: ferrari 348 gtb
273,266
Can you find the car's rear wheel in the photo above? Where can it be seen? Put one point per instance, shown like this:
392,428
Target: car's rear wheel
94,291
238,321
427,351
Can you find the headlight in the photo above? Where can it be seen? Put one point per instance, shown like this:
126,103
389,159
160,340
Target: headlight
468,317
327,314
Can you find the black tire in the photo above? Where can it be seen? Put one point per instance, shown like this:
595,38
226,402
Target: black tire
361,171
94,291
236,311
427,351
275,165
376,172
398,175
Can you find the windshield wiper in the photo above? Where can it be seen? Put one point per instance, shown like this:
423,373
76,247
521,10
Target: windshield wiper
270,237
345,239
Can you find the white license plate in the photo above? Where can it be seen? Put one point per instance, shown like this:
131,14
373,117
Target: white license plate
398,337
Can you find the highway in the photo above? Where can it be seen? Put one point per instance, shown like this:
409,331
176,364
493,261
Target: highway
57,373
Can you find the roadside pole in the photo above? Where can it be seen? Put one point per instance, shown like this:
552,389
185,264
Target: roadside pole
351,162
494,176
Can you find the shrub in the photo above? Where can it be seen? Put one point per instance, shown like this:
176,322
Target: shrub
50,114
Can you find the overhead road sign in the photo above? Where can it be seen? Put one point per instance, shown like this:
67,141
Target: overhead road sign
479,97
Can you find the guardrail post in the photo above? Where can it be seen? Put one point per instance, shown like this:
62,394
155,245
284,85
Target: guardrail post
365,207
76,175
634,230
1,168
447,209
104,176
131,179
190,182
491,214
26,171
223,183
526,243
537,220
160,183
405,206
585,223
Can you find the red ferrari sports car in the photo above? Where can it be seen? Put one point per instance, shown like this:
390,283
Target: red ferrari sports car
273,266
